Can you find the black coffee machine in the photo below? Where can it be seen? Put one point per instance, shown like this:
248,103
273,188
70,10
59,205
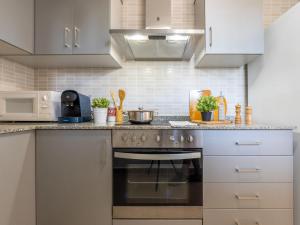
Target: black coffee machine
75,107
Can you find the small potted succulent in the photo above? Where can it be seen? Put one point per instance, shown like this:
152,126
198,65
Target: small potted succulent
206,105
100,106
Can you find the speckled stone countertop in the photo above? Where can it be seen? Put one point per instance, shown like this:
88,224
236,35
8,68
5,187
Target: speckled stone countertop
6,128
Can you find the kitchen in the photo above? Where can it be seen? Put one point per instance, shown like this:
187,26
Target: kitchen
41,160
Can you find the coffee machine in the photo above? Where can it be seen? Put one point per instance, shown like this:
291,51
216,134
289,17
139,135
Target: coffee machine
75,107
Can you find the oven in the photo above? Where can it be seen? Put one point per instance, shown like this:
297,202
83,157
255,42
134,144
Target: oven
157,174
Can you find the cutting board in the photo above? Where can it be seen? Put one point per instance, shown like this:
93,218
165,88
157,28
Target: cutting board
194,97
200,122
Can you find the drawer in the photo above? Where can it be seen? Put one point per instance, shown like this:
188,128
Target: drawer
248,217
248,142
258,169
248,195
157,222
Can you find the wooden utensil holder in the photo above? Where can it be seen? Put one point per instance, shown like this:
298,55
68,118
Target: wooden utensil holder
119,115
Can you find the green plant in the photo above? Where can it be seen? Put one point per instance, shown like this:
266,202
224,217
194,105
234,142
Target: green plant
207,104
100,103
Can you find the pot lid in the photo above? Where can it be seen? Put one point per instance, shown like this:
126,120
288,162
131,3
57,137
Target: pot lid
141,109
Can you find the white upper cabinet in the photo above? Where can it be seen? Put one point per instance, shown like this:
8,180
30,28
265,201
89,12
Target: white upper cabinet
53,27
72,27
16,27
74,33
234,32
91,27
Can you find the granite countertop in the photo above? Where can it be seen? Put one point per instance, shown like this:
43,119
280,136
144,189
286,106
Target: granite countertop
21,127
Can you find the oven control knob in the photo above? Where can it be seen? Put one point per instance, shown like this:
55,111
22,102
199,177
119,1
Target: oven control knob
182,139
143,138
134,138
190,139
44,98
125,138
157,138
172,138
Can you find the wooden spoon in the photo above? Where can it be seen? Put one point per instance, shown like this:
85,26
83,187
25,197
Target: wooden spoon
113,98
122,95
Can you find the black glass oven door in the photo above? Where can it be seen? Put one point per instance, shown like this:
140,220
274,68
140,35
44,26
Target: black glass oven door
157,177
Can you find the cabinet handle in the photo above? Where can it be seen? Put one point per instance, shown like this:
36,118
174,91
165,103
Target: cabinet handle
241,197
248,143
236,222
210,37
67,32
247,170
76,37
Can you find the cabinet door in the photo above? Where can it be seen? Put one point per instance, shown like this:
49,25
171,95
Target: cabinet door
91,26
53,27
17,23
74,177
234,26
17,178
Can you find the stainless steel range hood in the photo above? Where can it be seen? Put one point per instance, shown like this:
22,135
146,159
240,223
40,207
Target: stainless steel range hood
158,41
158,44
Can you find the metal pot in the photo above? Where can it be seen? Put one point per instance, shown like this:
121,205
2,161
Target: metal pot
140,116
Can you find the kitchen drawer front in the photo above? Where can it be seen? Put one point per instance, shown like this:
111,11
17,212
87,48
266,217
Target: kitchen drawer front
245,142
157,222
258,169
248,195
248,217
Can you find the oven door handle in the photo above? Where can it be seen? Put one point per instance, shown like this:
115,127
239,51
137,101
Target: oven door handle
158,157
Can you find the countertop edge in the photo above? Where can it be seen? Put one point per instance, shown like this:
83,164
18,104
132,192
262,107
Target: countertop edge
15,128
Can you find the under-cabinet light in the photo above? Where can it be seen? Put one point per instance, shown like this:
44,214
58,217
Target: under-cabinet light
137,37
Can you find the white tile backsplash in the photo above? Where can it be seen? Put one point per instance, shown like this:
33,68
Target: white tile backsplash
14,76
274,8
162,86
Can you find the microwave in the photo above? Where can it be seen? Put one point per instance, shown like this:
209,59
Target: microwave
30,105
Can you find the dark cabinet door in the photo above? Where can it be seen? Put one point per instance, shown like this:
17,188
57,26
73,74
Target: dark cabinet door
74,177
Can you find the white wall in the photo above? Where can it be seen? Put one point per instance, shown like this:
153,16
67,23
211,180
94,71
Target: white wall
274,83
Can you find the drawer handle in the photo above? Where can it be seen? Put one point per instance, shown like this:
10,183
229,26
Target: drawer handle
241,197
239,143
236,222
247,170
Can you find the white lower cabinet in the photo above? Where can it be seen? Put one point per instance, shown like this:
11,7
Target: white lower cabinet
248,177
248,143
248,195
248,217
157,222
17,178
251,169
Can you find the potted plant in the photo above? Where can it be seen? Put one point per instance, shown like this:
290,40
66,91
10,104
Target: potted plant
205,105
100,106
